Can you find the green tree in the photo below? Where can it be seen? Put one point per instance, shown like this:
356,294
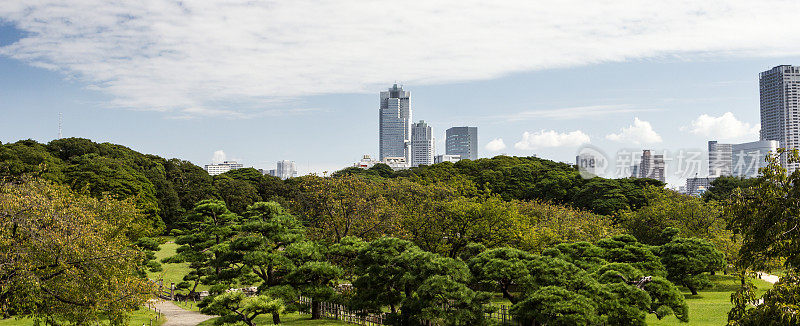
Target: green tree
766,215
504,267
394,273
202,241
688,260
264,244
316,280
234,307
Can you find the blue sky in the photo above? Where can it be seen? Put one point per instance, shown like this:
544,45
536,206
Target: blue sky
306,89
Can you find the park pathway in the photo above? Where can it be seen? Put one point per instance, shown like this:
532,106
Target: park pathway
177,316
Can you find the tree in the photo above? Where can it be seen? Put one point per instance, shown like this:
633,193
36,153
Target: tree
722,187
504,267
201,241
67,257
766,215
316,280
552,305
687,261
264,245
233,307
394,273
334,208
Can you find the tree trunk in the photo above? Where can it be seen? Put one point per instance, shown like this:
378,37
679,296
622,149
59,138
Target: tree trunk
506,294
691,288
276,318
315,309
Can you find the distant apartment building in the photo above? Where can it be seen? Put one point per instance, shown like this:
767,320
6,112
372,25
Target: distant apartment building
462,141
394,129
719,159
446,158
697,186
779,90
422,144
220,168
284,170
366,162
396,163
749,157
651,166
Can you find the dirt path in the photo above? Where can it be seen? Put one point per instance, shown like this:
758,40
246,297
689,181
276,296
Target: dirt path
177,316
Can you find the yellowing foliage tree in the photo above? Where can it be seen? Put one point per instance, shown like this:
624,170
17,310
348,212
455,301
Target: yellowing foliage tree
67,257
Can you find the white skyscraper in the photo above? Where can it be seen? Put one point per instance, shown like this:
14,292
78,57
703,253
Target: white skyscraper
780,107
284,170
422,144
394,130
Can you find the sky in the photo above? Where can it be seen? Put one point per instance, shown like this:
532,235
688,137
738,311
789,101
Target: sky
263,81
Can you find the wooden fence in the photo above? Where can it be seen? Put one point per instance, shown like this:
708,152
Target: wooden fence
342,313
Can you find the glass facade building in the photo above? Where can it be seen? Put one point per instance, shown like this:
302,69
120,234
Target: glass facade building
462,141
780,101
394,129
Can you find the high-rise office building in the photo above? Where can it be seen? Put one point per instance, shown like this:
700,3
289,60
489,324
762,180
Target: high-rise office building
719,159
394,130
284,170
780,107
422,144
220,168
462,141
651,166
749,157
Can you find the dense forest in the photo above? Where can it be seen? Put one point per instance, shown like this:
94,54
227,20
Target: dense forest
528,229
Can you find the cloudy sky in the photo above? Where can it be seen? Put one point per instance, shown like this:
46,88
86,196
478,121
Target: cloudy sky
261,81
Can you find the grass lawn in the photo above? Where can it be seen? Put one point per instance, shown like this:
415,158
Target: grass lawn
710,306
140,317
172,273
290,319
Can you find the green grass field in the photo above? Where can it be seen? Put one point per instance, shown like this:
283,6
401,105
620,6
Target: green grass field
139,317
289,319
172,273
710,306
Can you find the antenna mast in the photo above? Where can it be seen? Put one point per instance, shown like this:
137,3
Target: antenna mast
60,121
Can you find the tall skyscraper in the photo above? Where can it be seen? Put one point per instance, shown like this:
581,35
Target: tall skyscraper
651,166
719,159
462,141
749,157
394,130
780,107
284,170
422,144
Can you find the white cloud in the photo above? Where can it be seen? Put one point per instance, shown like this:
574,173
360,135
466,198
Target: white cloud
551,138
246,55
219,157
725,126
640,132
579,112
495,145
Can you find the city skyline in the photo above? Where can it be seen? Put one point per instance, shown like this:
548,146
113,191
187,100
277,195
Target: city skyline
260,97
